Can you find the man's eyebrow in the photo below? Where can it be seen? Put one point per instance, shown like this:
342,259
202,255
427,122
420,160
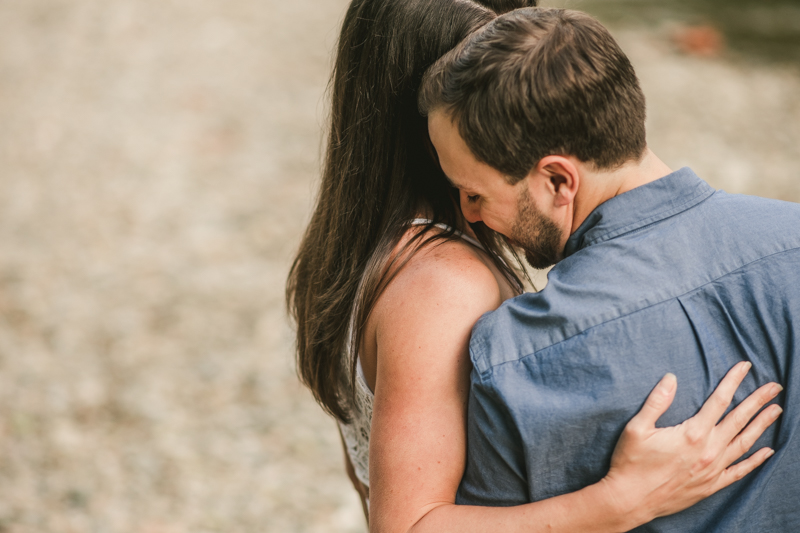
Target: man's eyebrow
451,182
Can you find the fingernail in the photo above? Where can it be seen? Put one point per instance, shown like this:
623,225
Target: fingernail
770,454
776,411
668,383
746,367
775,389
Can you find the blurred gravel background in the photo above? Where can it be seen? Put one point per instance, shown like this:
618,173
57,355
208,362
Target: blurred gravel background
157,166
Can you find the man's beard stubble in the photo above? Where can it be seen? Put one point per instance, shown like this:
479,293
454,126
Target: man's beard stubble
537,235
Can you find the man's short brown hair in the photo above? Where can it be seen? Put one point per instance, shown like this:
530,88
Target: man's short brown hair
536,82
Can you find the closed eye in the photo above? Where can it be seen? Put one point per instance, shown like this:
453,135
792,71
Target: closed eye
472,198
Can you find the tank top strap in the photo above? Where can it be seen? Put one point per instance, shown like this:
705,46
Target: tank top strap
445,227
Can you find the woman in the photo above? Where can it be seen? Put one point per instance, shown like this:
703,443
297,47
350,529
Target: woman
389,281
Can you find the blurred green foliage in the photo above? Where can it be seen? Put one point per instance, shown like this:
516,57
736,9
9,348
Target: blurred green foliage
760,29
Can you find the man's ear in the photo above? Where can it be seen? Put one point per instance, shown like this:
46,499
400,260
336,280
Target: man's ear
562,179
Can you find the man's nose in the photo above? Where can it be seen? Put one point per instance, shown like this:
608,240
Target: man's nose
471,210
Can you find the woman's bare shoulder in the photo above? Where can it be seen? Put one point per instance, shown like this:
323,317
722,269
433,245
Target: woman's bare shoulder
425,314
443,275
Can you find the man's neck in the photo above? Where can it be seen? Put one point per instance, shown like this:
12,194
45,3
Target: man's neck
598,186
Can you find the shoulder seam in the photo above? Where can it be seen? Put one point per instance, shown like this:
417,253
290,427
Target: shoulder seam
490,367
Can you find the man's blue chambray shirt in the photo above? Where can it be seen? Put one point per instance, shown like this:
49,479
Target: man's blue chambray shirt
672,276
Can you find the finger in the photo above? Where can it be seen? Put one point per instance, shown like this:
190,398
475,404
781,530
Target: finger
739,470
745,440
738,418
657,403
722,396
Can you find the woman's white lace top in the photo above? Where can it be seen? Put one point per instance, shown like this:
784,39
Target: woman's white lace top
356,433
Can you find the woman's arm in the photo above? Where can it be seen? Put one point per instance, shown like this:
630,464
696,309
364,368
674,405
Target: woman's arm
418,436
417,443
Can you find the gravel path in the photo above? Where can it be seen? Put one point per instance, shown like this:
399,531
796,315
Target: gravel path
157,166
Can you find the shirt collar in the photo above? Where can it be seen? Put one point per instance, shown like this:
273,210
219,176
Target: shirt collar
649,203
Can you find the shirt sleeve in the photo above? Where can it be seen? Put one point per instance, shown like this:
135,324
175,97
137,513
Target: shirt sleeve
495,473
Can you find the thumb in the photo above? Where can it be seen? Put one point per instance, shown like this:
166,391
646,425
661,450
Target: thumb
657,402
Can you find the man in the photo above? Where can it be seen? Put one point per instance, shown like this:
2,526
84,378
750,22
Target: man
538,119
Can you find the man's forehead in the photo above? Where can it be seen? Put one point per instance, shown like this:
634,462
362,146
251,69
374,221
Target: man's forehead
460,166
439,124
439,129
450,147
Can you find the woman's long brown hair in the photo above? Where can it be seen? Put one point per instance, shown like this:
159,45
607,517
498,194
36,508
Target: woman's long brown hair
378,176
